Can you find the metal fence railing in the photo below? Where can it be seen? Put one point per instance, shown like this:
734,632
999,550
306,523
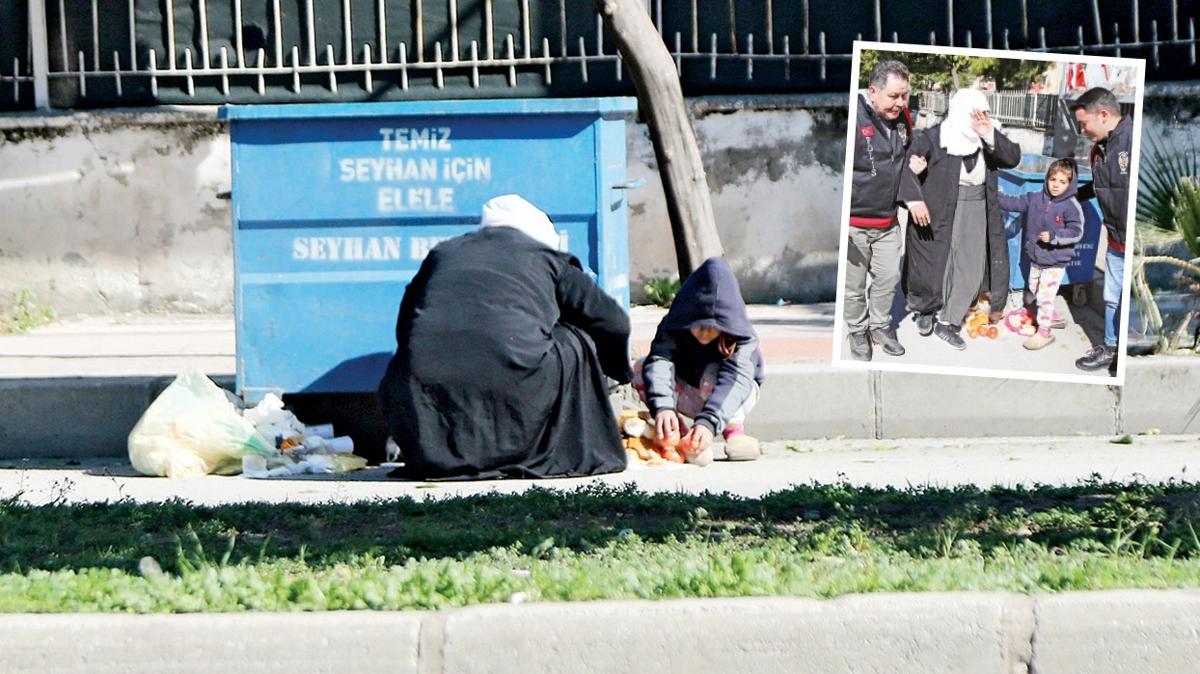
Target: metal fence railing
1012,108
86,53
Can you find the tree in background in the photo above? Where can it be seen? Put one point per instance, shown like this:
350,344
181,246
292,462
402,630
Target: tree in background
948,72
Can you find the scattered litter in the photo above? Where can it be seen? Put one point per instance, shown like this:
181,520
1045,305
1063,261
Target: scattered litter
1151,431
391,450
196,428
1126,439
193,429
782,302
518,598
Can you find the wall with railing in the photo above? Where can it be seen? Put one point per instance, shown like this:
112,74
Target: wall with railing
97,53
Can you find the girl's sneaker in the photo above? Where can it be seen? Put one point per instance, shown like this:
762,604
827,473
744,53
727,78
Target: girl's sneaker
1027,330
1039,340
739,446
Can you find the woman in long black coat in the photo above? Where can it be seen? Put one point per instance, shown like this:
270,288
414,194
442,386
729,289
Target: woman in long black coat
965,148
502,344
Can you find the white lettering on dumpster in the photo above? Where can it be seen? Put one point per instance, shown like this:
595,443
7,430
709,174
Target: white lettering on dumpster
346,248
422,138
415,199
419,246
461,169
387,169
406,183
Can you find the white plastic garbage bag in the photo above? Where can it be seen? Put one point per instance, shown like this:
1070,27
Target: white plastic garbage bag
193,429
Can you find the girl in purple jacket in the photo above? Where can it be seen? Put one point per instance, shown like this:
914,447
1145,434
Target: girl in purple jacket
1053,225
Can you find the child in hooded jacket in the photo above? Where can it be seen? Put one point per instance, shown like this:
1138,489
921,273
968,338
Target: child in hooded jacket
1053,225
704,363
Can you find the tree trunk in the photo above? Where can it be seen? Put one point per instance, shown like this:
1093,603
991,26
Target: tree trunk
660,100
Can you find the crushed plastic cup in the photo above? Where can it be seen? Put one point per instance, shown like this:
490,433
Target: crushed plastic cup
340,445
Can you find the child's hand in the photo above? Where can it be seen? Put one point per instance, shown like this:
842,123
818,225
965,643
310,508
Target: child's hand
698,439
917,164
1044,237
666,425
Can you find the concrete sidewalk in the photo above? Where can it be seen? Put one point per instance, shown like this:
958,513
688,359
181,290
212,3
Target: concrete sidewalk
76,388
894,463
103,346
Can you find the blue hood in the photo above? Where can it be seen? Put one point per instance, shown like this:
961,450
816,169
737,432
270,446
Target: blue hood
710,297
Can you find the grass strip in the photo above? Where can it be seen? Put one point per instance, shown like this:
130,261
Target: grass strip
595,543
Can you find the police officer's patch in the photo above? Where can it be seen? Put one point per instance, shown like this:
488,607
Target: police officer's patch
1123,160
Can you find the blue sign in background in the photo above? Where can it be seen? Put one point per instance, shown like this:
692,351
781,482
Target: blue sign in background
1030,176
336,205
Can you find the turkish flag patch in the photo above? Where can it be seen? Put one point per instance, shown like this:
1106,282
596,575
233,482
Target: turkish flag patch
868,131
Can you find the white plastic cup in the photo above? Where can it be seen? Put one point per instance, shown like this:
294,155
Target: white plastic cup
320,430
340,445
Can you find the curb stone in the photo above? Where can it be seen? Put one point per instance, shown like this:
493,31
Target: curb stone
1117,631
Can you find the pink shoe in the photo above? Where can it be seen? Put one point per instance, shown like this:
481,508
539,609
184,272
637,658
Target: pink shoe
739,446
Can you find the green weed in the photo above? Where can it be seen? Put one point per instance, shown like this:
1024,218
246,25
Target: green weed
24,313
661,290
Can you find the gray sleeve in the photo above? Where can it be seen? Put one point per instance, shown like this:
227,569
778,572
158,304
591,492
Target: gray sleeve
1072,230
658,373
735,385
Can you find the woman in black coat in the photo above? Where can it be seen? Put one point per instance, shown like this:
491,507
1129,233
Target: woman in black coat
960,249
502,344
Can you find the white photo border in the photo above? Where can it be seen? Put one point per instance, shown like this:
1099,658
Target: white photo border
847,181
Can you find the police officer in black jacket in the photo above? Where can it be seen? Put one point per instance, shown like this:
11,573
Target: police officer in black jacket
882,133
1099,116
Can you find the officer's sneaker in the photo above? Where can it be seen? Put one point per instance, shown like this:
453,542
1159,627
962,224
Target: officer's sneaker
1097,358
924,324
949,334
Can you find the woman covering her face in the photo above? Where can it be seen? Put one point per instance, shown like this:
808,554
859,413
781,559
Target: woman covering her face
502,344
961,250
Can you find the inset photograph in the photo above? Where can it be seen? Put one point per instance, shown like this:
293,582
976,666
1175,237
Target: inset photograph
987,213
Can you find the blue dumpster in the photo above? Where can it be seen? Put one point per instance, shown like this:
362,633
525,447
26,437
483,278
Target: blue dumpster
335,206
1029,176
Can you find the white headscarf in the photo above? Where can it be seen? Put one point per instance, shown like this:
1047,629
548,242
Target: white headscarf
958,134
511,210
